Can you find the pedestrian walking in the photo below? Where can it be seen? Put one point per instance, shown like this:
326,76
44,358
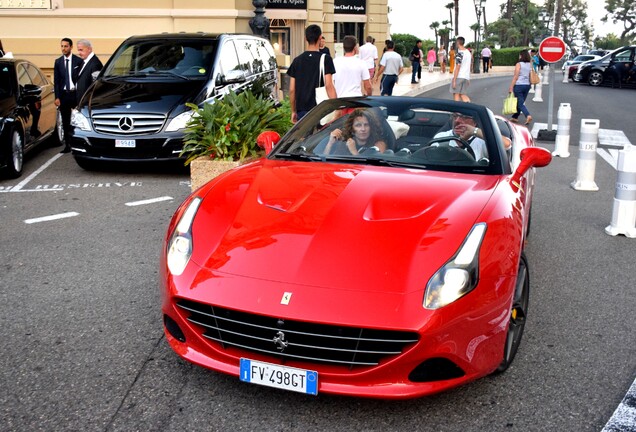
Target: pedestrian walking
461,75
451,58
305,75
391,66
369,55
486,54
323,48
416,59
431,58
65,71
441,59
520,85
351,72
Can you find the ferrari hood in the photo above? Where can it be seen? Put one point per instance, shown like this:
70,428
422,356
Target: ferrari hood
339,226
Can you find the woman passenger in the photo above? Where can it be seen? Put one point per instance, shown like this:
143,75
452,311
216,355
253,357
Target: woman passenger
362,130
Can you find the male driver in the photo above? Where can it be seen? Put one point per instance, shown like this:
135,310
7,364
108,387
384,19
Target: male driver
305,75
465,127
65,69
461,75
91,64
391,66
369,54
351,72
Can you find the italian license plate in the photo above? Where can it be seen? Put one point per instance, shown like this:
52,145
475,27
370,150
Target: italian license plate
282,377
125,143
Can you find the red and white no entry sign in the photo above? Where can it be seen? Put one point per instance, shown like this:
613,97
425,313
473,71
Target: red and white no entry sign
552,49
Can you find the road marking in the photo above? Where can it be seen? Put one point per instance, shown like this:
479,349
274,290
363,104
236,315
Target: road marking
149,201
20,185
51,217
624,418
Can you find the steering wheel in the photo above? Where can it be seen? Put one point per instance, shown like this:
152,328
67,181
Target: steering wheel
464,145
445,154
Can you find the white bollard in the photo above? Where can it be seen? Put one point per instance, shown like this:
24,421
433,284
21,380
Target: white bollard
546,76
586,164
537,94
562,141
565,75
624,211
531,89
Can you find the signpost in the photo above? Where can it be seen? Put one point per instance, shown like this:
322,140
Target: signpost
551,49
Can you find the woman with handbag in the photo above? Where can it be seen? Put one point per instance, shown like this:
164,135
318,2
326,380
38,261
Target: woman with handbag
520,86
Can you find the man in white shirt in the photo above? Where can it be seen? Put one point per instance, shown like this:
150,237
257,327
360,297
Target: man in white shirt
461,75
369,54
465,127
485,57
392,66
351,72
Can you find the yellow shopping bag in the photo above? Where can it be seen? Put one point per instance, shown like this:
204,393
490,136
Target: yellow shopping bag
509,105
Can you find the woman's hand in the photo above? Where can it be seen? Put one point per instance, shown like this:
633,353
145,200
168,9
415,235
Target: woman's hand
351,145
335,135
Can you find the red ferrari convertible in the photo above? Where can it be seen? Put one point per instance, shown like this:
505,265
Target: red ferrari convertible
376,251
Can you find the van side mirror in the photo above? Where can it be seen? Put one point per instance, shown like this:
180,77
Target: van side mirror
267,140
233,76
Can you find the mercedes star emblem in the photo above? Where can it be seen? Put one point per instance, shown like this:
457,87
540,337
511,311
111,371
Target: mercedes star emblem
126,124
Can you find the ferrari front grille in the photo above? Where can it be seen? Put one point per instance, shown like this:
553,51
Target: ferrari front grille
297,340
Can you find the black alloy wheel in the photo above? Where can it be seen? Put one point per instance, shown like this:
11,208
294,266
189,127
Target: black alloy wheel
518,314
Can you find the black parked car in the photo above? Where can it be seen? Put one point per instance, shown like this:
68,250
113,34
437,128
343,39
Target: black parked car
616,68
27,112
135,110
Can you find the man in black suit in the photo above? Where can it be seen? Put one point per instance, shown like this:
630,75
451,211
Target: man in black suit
91,64
65,70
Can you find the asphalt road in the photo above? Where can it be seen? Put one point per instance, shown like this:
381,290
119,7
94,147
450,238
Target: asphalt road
82,339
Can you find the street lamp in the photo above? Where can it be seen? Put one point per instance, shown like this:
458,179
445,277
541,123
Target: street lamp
479,8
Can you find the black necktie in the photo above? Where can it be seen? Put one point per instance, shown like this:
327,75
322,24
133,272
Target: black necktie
67,83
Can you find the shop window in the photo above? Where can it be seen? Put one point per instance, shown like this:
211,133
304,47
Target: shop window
349,29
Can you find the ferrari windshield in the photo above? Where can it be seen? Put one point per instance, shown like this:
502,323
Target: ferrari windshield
174,59
406,132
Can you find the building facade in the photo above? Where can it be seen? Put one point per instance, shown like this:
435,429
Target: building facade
32,29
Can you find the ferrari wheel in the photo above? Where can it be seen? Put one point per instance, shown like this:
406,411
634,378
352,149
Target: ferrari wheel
16,161
518,314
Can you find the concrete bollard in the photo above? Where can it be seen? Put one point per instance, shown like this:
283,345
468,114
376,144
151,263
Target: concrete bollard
624,210
562,141
546,76
537,91
586,164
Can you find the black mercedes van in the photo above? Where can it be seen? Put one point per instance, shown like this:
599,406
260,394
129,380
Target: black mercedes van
135,110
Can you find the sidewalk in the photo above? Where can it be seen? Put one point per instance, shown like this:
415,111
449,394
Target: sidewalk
435,79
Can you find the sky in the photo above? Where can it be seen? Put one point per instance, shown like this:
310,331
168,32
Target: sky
415,16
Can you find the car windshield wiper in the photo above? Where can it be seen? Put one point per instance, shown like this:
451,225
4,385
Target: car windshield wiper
375,161
298,156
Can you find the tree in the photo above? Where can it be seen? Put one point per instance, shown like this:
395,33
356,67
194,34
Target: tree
434,25
456,17
450,7
608,42
622,11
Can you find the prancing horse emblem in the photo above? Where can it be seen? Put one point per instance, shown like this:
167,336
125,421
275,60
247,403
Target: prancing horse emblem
280,341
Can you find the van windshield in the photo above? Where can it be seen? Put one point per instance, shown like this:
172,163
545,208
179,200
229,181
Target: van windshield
170,59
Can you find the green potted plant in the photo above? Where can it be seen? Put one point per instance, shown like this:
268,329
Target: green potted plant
222,134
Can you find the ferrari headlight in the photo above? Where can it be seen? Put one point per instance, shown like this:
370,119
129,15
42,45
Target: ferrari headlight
180,245
80,121
459,276
179,122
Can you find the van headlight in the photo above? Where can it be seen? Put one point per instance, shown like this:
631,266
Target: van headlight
179,122
180,244
458,276
80,121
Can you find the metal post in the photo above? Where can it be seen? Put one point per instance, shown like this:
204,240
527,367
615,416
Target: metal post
550,98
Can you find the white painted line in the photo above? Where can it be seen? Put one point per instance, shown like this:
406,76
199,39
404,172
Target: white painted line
52,217
610,156
624,418
36,172
149,201
612,137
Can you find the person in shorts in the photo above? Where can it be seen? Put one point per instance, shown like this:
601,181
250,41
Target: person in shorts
461,75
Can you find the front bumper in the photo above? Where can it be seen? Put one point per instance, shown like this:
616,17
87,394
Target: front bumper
156,147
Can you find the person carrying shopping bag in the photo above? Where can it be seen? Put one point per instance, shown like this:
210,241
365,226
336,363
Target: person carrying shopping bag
520,86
